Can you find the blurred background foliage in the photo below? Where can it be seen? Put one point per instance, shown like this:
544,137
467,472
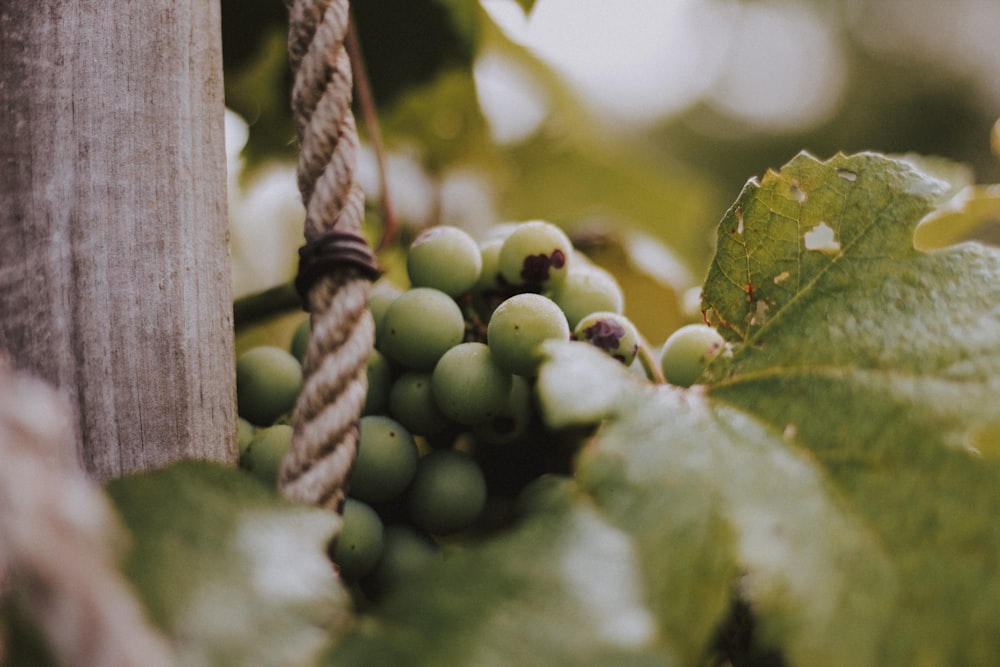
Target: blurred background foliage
632,124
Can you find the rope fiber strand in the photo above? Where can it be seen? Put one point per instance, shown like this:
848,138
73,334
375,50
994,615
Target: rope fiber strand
336,265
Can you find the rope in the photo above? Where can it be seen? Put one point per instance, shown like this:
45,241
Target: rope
59,540
336,265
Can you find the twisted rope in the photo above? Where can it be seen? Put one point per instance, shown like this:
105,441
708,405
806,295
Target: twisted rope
336,264
60,539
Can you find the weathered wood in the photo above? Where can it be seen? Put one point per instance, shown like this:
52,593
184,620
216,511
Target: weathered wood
114,266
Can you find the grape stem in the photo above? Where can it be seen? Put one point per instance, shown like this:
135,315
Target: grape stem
649,365
260,306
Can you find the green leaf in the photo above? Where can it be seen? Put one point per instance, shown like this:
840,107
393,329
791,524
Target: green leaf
232,572
709,493
562,588
849,443
811,221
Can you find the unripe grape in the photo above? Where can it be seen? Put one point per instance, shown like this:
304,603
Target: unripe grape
490,273
265,452
512,420
412,404
688,352
518,327
587,289
300,340
268,381
244,434
491,289
536,254
499,231
379,384
380,297
386,460
468,386
421,325
610,332
448,492
445,258
360,541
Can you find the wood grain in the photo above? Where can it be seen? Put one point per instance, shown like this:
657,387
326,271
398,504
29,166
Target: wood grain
114,264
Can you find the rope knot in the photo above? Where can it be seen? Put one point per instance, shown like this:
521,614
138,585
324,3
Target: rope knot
330,252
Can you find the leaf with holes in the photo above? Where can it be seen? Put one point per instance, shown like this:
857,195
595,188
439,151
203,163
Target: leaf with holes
849,442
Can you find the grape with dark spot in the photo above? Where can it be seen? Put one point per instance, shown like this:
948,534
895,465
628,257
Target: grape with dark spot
536,254
537,268
610,332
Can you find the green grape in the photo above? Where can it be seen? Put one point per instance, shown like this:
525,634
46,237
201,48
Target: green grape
688,352
265,452
468,386
610,332
379,383
490,289
380,297
517,328
536,255
405,552
360,541
421,325
300,340
489,276
386,460
448,492
513,419
587,289
268,381
244,434
445,258
411,403
499,231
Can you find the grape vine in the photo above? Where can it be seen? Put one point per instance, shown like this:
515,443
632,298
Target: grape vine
451,433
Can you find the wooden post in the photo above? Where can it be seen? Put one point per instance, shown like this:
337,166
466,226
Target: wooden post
114,263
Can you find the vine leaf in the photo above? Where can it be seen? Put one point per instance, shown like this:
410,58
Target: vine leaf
234,573
849,443
811,221
561,588
709,493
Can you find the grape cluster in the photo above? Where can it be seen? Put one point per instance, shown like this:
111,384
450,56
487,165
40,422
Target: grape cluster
268,382
449,435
